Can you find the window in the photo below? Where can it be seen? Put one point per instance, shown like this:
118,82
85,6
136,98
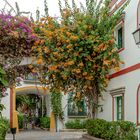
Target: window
119,107
76,108
120,38
117,103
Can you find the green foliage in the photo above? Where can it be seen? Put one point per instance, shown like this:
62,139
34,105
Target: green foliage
4,125
79,49
118,130
96,127
27,100
3,84
45,122
3,80
21,121
56,104
75,124
1,109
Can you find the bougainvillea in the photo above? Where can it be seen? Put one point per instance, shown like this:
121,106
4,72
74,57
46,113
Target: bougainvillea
77,51
16,36
16,40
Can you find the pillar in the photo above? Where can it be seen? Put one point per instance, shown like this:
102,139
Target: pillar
13,112
52,123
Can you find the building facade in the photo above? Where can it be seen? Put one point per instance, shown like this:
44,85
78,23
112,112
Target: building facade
122,99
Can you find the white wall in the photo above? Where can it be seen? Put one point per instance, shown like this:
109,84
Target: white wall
131,53
131,56
6,102
131,82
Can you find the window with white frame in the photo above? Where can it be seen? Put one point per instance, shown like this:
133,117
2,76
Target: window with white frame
118,103
119,107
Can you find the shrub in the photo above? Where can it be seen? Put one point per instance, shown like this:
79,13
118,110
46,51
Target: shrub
45,122
97,127
126,130
4,125
118,130
20,121
75,124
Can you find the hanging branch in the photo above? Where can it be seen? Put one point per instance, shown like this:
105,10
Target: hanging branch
7,3
31,17
98,6
67,4
10,11
17,8
37,15
60,6
46,8
91,6
74,5
87,3
82,7
19,13
3,9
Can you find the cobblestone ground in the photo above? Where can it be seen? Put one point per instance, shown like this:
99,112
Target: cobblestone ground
45,135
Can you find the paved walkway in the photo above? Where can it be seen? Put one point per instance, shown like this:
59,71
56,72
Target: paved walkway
45,135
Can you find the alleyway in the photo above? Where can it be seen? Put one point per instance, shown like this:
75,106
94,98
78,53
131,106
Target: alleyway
45,135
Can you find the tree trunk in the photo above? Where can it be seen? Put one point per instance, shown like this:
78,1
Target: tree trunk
92,100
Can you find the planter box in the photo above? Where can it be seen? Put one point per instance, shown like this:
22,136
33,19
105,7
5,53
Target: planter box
73,130
86,136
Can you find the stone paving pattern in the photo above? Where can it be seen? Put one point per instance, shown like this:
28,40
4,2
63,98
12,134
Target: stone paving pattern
45,135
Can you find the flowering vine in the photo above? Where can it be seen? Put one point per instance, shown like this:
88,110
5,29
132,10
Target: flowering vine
16,40
77,51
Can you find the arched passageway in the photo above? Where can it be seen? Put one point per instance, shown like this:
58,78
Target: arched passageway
42,107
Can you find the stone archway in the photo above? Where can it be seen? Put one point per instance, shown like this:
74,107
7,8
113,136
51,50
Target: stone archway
26,89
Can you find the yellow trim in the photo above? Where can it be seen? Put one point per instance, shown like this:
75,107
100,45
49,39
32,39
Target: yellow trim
44,89
15,113
15,117
52,123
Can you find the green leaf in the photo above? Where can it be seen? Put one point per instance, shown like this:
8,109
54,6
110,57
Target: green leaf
2,71
4,82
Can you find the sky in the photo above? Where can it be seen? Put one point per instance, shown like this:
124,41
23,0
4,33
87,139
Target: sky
32,5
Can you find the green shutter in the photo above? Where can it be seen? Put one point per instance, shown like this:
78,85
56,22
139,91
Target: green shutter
120,38
119,108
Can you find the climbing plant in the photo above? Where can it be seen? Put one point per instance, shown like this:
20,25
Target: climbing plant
16,40
3,84
3,80
77,51
56,104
